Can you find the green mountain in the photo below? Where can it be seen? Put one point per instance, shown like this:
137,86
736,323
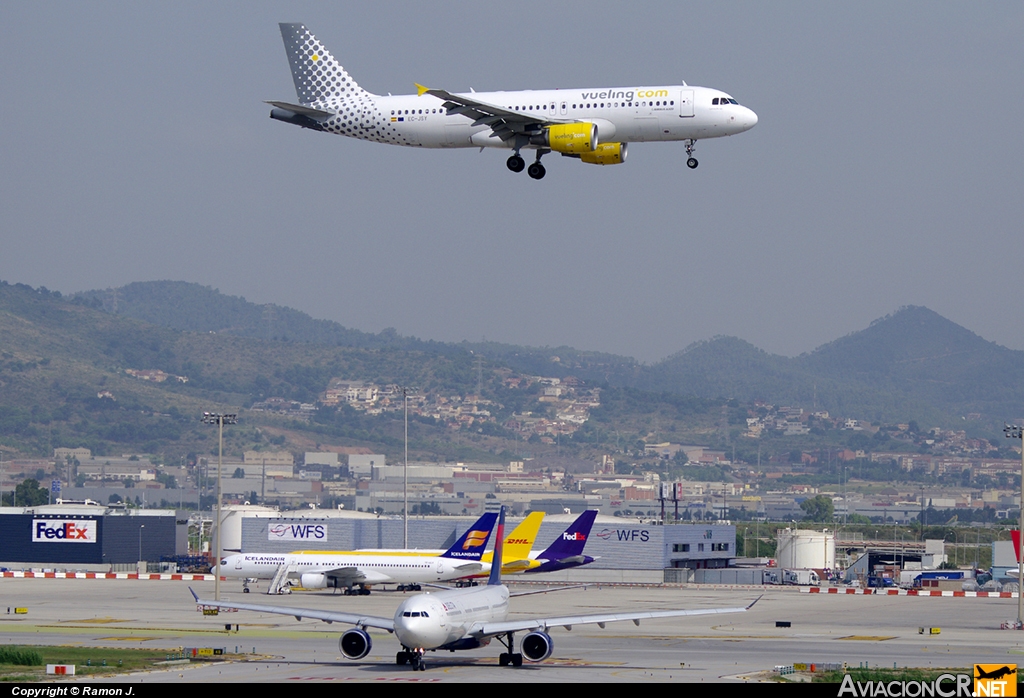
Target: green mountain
913,364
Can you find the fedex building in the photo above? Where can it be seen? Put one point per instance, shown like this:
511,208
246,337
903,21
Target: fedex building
88,534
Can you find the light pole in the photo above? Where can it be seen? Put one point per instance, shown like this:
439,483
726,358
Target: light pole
405,476
1014,431
220,420
140,546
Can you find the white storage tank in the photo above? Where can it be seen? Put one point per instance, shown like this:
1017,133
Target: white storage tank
232,516
800,549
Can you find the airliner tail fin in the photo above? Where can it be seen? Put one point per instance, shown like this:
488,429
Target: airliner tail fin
318,76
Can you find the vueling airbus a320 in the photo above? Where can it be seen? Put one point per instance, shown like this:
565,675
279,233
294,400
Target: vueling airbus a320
593,125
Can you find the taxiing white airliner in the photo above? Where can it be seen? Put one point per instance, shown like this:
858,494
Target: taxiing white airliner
460,619
593,125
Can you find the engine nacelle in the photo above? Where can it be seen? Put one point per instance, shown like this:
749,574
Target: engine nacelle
606,154
537,646
577,137
312,580
355,643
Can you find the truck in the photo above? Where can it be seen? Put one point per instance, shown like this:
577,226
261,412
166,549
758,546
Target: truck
929,578
878,582
801,577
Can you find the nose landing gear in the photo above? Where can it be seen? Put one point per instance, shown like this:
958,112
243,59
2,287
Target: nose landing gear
691,161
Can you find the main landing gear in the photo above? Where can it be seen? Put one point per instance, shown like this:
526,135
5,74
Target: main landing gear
509,658
691,162
535,170
413,658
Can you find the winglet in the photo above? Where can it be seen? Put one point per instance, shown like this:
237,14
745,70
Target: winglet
194,594
421,90
753,602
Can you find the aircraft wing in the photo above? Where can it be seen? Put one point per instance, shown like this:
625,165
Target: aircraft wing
355,575
528,624
504,124
363,621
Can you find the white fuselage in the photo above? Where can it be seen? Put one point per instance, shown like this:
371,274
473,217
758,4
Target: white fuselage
430,621
379,569
630,114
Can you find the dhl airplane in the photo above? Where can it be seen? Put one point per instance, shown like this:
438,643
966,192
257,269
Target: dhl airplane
565,552
518,546
351,570
460,619
593,125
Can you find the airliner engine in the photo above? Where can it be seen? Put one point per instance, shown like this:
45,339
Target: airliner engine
537,646
355,643
577,137
606,154
312,580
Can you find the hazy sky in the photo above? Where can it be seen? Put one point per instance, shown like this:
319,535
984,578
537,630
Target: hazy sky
885,170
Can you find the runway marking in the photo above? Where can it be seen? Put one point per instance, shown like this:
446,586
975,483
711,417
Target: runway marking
101,620
362,679
867,638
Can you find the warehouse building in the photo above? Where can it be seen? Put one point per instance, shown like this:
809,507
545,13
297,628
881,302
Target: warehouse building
89,535
625,550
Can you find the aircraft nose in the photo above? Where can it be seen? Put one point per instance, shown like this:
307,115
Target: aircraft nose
420,633
749,119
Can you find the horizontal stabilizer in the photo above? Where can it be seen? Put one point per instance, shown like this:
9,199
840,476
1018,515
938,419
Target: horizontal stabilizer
300,109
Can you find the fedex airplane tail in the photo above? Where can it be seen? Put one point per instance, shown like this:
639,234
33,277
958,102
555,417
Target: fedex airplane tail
567,550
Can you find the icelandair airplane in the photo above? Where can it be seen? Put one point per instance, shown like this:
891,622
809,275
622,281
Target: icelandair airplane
593,125
460,619
349,570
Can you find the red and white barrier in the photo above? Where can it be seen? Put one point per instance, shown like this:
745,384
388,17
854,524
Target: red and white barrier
913,592
108,575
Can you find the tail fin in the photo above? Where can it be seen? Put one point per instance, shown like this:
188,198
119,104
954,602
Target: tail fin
519,543
318,76
573,539
499,544
473,543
